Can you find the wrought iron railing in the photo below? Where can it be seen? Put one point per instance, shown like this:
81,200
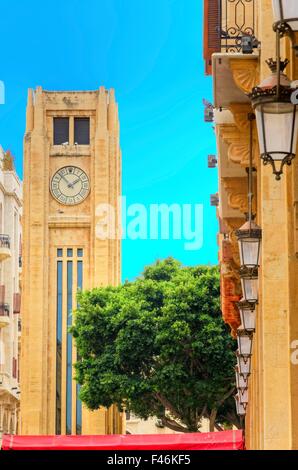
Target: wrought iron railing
4,241
237,18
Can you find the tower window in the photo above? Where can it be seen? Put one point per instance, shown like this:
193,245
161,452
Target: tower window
61,131
82,131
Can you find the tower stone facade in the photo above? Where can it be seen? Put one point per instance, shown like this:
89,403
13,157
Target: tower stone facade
71,166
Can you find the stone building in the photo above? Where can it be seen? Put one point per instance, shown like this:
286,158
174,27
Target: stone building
10,285
237,64
72,165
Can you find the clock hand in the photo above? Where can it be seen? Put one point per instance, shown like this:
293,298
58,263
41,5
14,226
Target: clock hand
66,181
71,185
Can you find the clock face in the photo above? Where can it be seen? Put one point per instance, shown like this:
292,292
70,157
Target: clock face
70,185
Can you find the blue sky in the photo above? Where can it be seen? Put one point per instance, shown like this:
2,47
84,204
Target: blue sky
150,51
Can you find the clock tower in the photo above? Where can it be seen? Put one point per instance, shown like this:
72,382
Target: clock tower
72,165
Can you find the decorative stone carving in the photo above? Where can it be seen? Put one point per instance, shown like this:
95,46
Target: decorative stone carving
237,193
245,73
234,223
238,143
240,113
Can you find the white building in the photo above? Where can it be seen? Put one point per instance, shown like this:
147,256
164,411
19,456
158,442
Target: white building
10,279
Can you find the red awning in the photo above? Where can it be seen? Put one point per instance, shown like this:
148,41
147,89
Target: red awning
227,440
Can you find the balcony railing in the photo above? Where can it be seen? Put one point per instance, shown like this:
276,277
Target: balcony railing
4,310
4,241
237,18
226,23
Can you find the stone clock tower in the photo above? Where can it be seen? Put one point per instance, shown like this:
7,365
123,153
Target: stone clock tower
71,166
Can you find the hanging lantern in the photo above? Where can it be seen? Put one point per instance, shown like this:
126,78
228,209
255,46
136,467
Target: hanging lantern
276,117
286,11
249,284
240,408
249,240
241,381
244,365
244,339
247,312
243,396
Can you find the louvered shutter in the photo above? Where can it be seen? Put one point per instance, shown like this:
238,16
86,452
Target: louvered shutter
212,28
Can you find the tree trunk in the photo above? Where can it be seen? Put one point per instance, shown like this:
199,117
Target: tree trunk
212,419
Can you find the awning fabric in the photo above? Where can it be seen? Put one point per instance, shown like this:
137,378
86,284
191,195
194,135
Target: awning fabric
226,440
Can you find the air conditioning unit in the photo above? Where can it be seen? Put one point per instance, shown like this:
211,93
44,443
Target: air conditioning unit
212,161
214,200
208,111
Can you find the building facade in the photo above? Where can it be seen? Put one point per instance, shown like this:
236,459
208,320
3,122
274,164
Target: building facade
10,286
72,165
273,384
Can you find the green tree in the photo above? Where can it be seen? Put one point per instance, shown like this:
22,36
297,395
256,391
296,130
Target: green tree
158,347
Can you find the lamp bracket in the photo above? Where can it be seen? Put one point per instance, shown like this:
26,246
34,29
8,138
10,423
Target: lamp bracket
287,160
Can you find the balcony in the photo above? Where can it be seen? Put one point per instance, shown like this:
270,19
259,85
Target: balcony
4,247
229,27
9,386
4,315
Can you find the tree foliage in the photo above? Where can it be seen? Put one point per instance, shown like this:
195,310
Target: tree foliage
158,347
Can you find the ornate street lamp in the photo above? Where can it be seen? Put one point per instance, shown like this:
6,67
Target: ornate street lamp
250,288
244,364
276,115
247,312
240,408
243,396
244,339
241,381
249,238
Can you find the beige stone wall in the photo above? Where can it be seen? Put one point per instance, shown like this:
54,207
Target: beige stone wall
48,225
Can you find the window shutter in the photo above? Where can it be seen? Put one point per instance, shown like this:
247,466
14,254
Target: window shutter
82,131
16,303
212,29
61,130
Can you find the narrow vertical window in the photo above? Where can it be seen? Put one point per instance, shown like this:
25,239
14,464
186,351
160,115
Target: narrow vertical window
58,347
69,349
82,131
61,131
79,403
